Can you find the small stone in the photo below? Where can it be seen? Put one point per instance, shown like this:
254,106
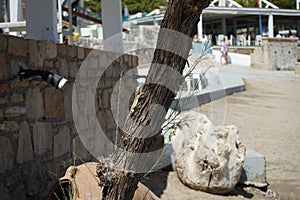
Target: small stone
17,98
62,67
53,103
36,52
34,104
51,50
1,113
17,46
4,87
48,64
15,111
9,126
42,138
3,42
68,101
62,142
105,98
66,51
4,192
17,83
73,68
3,67
25,152
80,52
80,149
6,155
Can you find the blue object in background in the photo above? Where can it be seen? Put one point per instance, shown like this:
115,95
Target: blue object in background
202,47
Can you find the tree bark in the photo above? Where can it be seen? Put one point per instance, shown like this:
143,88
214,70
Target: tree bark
2,10
174,43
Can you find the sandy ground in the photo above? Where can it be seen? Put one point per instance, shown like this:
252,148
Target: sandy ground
267,115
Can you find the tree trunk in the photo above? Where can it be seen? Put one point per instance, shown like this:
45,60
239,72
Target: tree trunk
2,10
142,134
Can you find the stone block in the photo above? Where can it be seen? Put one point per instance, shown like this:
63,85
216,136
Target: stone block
34,104
3,67
68,101
25,151
13,179
9,126
62,142
17,98
3,42
4,193
62,67
4,87
36,53
19,192
80,149
73,68
297,68
14,111
42,138
17,83
254,169
135,61
80,52
66,51
87,51
82,123
1,114
105,98
33,181
17,46
3,100
106,120
51,50
48,64
6,155
53,103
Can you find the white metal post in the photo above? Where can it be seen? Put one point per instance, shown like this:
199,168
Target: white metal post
70,18
59,27
15,8
41,22
271,25
200,28
112,25
297,4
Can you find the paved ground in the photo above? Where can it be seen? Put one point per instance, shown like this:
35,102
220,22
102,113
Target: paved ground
267,115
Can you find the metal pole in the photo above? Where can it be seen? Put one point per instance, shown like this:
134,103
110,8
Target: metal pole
260,25
200,28
70,22
60,21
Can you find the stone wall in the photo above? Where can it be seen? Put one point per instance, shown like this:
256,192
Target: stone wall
37,132
277,54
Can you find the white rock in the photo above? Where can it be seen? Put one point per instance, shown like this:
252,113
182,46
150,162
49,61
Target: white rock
207,158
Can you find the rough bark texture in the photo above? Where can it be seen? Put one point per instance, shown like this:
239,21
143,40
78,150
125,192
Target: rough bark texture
182,16
2,10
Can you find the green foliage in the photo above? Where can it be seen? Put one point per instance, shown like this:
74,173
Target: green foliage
134,6
93,6
283,4
147,6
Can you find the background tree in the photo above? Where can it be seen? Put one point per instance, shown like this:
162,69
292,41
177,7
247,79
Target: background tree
283,4
172,50
148,5
133,6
